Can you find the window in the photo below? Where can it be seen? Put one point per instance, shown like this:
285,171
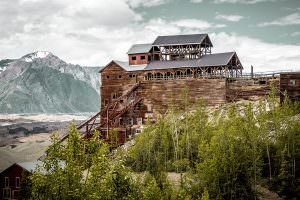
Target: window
130,75
140,121
133,58
6,193
6,182
15,194
138,130
143,57
105,102
107,77
130,121
292,82
120,76
17,182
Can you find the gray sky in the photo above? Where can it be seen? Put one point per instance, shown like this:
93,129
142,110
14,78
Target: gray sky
264,33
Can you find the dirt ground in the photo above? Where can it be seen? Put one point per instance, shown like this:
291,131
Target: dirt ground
25,149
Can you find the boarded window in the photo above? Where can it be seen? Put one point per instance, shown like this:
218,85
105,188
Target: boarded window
133,58
143,57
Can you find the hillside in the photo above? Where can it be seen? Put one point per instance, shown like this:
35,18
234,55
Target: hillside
41,82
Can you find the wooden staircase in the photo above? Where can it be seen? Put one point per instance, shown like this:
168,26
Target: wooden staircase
99,120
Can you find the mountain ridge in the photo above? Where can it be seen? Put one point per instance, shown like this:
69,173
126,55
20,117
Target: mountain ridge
41,82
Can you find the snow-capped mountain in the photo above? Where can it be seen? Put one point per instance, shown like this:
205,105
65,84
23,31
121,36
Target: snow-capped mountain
38,54
40,82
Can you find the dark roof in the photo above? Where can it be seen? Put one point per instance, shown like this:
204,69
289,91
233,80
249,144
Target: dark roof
180,39
125,65
209,60
171,64
219,59
139,48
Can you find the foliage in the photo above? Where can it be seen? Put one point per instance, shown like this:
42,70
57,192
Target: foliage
226,152
220,153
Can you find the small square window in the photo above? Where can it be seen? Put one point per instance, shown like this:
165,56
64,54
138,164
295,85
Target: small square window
130,75
107,77
133,75
293,82
143,57
133,58
120,76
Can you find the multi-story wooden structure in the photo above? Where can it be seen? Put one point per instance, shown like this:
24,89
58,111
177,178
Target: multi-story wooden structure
290,82
155,76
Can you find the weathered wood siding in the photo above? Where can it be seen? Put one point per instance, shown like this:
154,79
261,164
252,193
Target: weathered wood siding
243,89
161,94
115,80
290,82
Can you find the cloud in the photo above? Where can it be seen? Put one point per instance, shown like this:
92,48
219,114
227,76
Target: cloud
295,34
55,15
235,1
196,1
90,33
263,56
145,3
292,19
197,24
242,1
231,18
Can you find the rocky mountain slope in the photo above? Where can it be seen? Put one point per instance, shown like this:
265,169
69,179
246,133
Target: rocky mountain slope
41,82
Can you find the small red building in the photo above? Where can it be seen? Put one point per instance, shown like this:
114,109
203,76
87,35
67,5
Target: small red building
11,178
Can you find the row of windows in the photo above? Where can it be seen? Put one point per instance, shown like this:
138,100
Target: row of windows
6,181
141,57
130,121
120,76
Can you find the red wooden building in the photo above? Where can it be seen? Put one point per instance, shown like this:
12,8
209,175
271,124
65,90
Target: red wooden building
12,177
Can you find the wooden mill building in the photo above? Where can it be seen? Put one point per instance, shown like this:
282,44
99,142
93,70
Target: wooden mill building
155,76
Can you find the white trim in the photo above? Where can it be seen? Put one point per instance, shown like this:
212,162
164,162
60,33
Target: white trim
6,182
